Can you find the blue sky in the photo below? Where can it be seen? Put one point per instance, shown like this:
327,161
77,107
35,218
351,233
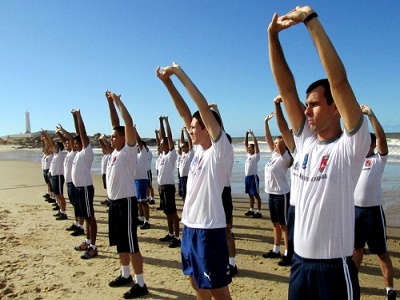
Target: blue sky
60,55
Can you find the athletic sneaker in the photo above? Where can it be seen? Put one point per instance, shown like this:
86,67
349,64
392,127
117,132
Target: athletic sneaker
285,261
166,238
233,270
249,213
257,215
78,231
140,222
146,225
105,202
62,217
152,201
82,247
391,295
271,254
160,208
47,196
175,243
120,281
73,227
136,291
89,253
56,207
57,214
51,200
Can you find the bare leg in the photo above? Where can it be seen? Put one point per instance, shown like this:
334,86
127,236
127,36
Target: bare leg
386,268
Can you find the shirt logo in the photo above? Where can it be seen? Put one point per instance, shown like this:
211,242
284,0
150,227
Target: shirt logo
368,163
305,160
324,162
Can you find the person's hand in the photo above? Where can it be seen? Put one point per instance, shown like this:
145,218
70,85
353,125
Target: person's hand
163,74
278,99
213,106
115,97
109,96
298,15
366,110
269,117
75,111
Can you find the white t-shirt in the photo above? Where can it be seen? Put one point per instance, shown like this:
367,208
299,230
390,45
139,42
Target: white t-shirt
104,163
250,167
120,173
141,164
208,171
328,173
184,163
368,190
276,181
294,181
68,161
46,161
149,159
82,167
166,168
57,164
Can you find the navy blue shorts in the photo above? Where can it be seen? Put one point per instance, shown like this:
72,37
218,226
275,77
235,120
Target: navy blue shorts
150,177
104,179
84,199
278,208
167,197
205,257
46,176
370,228
122,225
227,204
141,189
57,182
252,184
290,230
182,186
328,279
72,197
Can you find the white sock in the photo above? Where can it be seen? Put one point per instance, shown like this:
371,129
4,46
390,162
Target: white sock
125,271
388,289
232,261
139,279
76,223
276,249
141,218
251,209
87,241
285,253
93,246
146,221
80,226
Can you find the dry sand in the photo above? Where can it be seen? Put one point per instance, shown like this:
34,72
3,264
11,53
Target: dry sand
38,260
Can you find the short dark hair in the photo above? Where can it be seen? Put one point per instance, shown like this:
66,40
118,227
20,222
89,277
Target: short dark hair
78,139
229,137
165,141
60,146
120,129
324,83
197,116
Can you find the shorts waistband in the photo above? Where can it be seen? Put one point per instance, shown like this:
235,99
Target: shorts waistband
123,199
324,260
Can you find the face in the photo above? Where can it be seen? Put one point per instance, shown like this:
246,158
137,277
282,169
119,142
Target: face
117,140
68,146
164,147
199,135
279,146
319,113
185,148
250,149
77,145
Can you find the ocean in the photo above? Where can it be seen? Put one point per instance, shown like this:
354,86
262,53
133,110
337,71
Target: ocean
390,181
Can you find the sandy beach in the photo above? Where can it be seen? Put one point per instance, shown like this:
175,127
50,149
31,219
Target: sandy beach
38,260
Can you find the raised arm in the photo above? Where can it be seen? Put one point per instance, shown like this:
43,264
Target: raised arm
49,141
268,136
256,148
342,92
162,129
283,76
157,132
81,128
60,135
381,142
139,140
179,102
67,134
171,143
130,131
113,112
207,116
214,107
283,127
246,140
189,139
